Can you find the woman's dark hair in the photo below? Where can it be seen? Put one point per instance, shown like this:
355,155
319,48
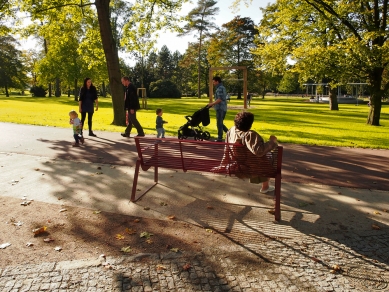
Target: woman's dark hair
85,81
243,121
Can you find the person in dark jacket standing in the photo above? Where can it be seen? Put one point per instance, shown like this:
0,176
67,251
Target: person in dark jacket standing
131,104
88,97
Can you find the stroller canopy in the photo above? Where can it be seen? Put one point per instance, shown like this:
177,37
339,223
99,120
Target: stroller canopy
201,116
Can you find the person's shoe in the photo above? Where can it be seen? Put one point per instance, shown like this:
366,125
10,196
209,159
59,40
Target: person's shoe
92,134
219,140
140,135
125,135
76,145
269,189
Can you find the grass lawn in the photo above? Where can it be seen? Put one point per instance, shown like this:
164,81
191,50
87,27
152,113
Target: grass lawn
292,120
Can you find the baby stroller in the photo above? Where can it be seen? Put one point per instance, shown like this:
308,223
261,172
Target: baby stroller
193,129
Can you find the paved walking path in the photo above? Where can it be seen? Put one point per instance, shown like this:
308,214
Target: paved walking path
330,200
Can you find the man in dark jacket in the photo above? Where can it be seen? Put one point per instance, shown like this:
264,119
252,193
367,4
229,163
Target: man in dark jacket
131,104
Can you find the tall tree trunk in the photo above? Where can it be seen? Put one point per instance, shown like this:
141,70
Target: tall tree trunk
112,58
375,109
6,90
57,87
103,90
375,97
50,93
199,69
75,89
334,106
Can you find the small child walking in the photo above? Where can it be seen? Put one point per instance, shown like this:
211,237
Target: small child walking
77,127
160,122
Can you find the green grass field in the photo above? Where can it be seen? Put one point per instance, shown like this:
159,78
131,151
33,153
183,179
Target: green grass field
292,120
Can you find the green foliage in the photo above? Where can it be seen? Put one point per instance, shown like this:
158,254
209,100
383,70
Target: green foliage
164,88
38,91
340,41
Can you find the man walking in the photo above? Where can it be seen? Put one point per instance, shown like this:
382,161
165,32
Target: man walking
220,106
131,104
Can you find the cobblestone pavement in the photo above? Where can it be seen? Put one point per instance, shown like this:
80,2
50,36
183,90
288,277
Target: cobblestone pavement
308,263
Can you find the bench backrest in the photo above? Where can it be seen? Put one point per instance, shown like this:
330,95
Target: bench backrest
216,157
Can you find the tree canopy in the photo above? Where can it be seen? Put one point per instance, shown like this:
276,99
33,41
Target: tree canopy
342,41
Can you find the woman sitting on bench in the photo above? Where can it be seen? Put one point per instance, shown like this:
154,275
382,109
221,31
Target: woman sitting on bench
259,151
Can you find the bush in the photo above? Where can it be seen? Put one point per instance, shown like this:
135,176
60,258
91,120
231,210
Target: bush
38,91
164,88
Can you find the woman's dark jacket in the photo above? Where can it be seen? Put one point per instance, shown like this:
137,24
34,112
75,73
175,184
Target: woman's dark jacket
92,90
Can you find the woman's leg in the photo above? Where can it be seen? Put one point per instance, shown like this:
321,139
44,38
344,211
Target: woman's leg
83,116
90,115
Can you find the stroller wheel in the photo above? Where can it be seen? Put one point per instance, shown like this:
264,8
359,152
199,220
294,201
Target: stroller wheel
198,137
206,135
181,137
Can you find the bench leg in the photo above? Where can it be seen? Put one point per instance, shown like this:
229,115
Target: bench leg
135,182
277,203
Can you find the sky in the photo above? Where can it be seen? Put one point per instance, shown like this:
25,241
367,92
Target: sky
226,14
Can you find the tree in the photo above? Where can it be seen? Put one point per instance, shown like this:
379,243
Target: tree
233,44
12,71
342,41
200,22
158,13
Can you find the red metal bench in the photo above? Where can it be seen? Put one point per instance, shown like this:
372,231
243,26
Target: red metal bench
204,156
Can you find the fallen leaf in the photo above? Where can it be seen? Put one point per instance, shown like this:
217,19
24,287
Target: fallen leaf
4,245
316,260
377,213
59,198
36,169
146,208
174,249
160,267
149,241
146,234
39,230
48,239
99,173
163,204
336,268
62,210
209,230
172,217
271,212
99,167
119,236
375,227
130,231
96,212
136,220
18,223
25,203
126,249
58,248
186,267
210,207
29,244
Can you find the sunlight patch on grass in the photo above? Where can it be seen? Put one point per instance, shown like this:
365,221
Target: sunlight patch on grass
292,120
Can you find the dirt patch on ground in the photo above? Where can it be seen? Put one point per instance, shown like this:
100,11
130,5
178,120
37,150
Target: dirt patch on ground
83,233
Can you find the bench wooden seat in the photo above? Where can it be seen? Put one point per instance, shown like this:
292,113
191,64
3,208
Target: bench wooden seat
204,156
